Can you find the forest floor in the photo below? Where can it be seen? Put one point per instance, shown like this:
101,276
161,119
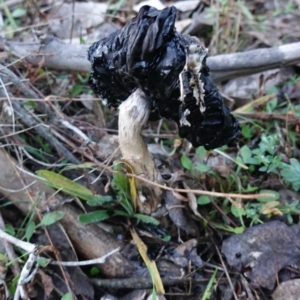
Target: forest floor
227,226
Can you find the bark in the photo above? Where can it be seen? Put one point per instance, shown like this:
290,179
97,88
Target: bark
55,54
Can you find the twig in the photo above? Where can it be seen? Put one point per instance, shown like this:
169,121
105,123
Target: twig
225,271
289,118
24,188
60,56
10,251
28,247
89,240
99,260
86,140
29,120
28,267
198,192
10,76
9,101
247,288
142,282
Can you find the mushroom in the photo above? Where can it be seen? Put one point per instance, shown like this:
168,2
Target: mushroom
147,67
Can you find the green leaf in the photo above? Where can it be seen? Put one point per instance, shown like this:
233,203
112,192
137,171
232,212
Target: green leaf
94,271
9,229
18,12
120,180
202,168
94,217
237,211
82,40
237,161
67,296
66,185
291,173
147,219
186,162
37,153
43,261
3,257
76,90
51,218
253,161
273,197
249,188
263,169
245,153
238,230
209,287
201,152
97,201
29,230
118,212
166,238
203,199
247,131
290,219
246,12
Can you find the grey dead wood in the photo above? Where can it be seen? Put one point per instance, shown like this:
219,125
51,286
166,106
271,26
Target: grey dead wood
142,282
55,54
90,241
31,120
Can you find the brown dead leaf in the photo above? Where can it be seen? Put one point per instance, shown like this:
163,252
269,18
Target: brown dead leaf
193,202
265,249
3,54
46,282
179,215
287,290
187,252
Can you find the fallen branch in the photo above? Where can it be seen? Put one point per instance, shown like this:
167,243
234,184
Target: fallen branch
289,118
29,269
99,260
55,54
31,266
91,241
142,282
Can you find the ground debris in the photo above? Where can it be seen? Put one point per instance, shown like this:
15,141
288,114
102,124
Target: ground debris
264,250
287,290
243,89
178,214
74,19
79,282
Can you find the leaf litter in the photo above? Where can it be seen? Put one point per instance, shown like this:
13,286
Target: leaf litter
265,254
262,251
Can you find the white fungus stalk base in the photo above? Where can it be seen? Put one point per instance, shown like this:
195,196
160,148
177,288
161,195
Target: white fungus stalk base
133,114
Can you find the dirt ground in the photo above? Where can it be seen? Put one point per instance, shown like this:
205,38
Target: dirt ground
205,211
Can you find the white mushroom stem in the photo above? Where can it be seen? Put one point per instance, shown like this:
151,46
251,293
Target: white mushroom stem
133,114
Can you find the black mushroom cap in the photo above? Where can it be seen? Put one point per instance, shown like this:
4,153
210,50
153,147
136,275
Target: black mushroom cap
148,53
